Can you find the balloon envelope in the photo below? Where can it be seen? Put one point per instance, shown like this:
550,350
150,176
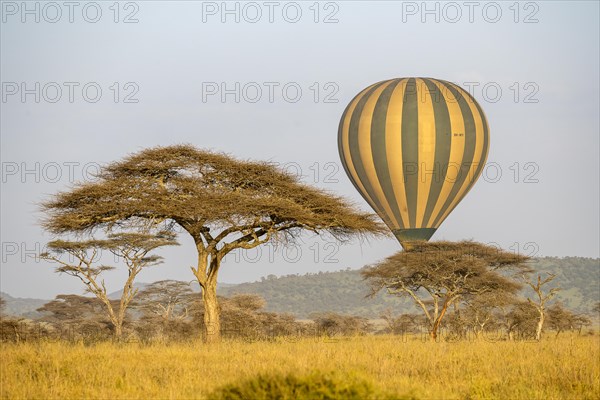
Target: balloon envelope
413,148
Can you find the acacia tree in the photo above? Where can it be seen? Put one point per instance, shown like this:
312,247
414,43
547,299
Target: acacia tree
561,319
165,300
520,320
482,310
87,315
83,259
167,308
437,274
222,203
402,324
542,299
332,324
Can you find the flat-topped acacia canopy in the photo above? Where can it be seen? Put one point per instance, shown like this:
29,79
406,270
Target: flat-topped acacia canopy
199,189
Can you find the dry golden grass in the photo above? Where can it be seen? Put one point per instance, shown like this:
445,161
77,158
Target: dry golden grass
563,368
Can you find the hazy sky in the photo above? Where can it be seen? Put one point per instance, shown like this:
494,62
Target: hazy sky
87,83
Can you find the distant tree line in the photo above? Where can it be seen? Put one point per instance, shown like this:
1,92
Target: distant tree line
168,311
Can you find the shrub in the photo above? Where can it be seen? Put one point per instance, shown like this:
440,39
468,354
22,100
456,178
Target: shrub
332,324
314,386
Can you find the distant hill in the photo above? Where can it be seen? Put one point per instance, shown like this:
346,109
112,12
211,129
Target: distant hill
24,307
344,291
578,278
117,295
341,292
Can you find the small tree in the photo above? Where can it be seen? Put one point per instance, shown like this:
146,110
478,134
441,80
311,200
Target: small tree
444,272
561,319
482,311
242,315
80,315
222,203
132,248
166,311
542,299
333,324
165,300
520,320
402,324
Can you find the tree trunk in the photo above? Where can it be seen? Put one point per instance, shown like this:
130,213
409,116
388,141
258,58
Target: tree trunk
511,335
478,331
538,331
118,330
433,334
212,323
114,318
436,325
207,278
116,323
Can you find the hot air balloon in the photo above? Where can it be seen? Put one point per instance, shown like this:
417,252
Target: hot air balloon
413,148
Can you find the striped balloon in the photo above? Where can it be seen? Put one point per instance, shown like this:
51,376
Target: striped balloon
413,148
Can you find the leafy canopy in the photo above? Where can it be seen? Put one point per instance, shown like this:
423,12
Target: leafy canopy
202,190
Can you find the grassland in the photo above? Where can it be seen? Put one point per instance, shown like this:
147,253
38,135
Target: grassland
563,368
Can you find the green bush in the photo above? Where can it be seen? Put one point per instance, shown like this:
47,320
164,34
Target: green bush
315,386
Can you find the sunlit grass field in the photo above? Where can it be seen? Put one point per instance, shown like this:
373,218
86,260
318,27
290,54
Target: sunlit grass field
563,368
